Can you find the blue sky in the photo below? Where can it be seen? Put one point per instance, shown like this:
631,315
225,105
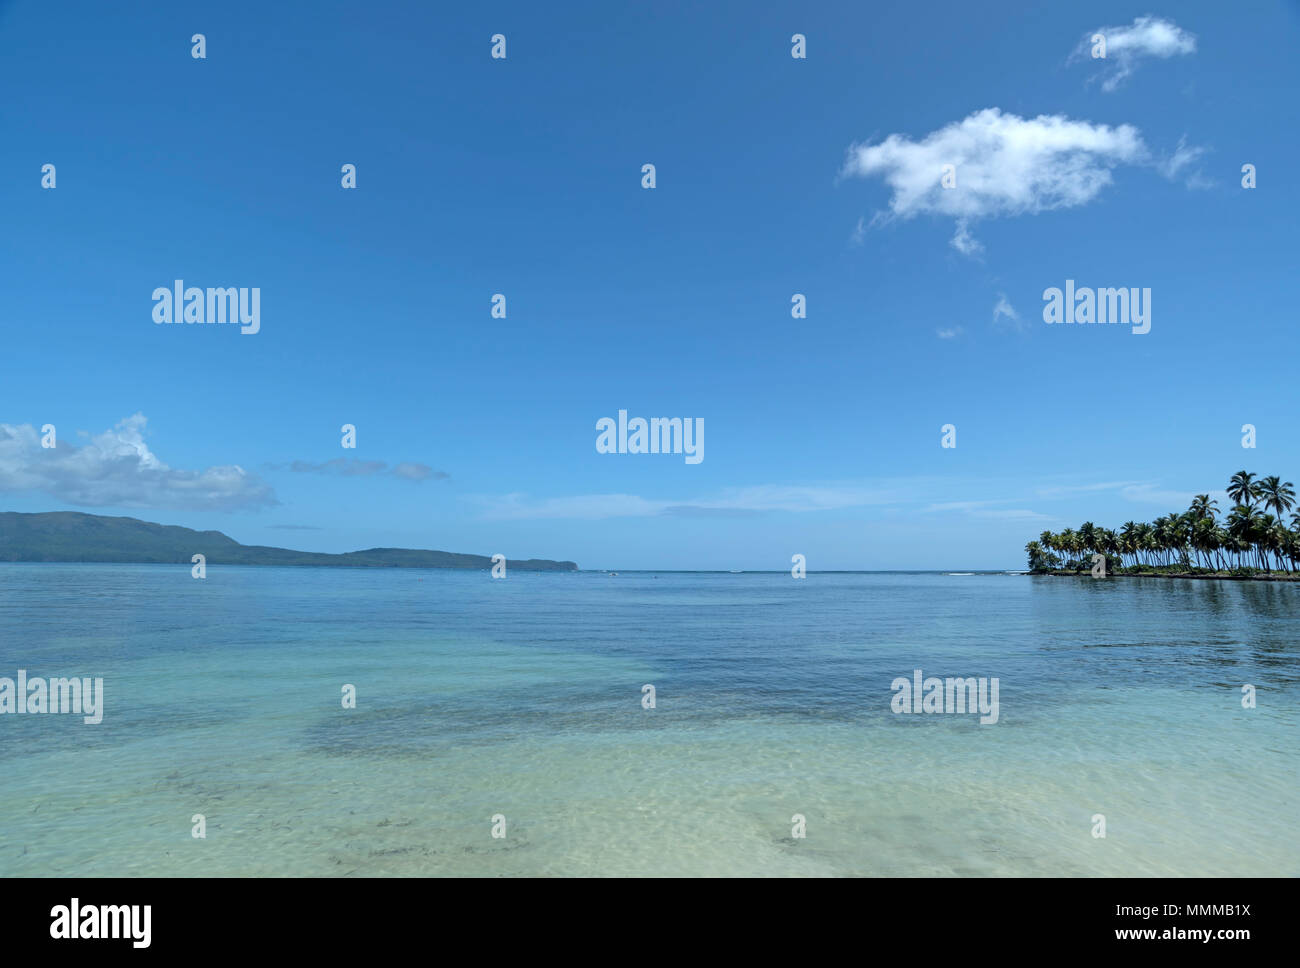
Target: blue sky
522,176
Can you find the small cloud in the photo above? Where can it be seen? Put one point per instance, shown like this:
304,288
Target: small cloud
1013,514
1005,314
418,472
704,511
1183,160
1065,490
1141,492
981,509
1152,494
958,506
859,232
1146,37
963,241
949,333
347,467
733,502
351,467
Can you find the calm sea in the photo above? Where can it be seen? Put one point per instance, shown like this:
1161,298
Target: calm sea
523,698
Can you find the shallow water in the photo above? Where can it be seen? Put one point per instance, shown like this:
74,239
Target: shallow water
522,698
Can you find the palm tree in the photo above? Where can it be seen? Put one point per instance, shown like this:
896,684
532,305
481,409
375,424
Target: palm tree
1128,536
1223,541
1166,536
1277,495
1248,536
1087,536
1183,534
1146,540
1108,544
1244,525
1205,538
1069,542
1040,559
1203,507
1260,525
1048,542
1242,488
1274,535
1264,535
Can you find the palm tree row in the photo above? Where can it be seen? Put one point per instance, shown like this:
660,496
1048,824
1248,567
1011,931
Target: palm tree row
1251,537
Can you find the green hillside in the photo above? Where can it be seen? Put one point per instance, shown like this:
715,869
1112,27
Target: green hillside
72,536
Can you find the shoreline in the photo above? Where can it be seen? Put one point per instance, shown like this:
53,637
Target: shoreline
1216,576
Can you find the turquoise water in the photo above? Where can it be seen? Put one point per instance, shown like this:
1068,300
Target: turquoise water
522,698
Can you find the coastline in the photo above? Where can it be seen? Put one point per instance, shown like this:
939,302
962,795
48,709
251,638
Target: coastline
1214,576
1251,543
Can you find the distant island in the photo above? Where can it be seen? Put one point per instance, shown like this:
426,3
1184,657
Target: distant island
72,536
1250,542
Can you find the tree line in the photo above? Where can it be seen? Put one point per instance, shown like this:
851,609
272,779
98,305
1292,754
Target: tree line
1252,537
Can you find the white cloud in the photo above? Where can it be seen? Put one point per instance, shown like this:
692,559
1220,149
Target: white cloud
1153,494
351,467
760,499
1005,166
413,471
1014,514
520,506
1005,314
117,469
1184,159
348,467
963,241
1063,490
949,333
859,232
1139,492
1127,45
732,501
957,506
910,496
982,509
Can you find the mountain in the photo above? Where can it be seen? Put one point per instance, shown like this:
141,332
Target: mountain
72,536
